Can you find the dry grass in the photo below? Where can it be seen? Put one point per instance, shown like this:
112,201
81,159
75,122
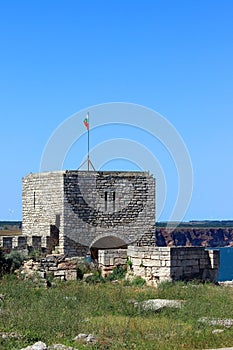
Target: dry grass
10,232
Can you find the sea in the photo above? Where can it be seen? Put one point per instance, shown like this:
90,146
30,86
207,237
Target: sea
226,264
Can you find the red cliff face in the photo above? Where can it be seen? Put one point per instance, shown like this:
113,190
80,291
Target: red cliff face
194,237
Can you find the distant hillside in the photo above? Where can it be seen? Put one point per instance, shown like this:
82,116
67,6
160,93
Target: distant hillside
198,224
10,225
187,234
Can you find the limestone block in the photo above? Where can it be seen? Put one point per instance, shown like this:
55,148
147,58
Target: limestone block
164,271
165,249
147,255
177,272
135,261
187,270
155,271
119,261
151,263
155,257
191,262
59,273
176,262
168,263
196,270
195,256
148,273
41,274
71,275
139,271
52,268
203,263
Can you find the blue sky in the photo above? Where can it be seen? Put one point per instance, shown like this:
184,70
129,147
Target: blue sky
175,57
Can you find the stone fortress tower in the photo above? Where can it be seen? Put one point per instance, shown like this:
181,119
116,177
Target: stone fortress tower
72,212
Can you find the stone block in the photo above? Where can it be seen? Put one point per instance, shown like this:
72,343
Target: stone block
155,270
59,273
52,268
150,263
155,257
196,270
191,262
71,275
135,261
119,261
164,271
177,272
188,270
176,262
139,271
203,263
147,273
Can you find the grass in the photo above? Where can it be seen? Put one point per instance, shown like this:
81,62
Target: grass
58,314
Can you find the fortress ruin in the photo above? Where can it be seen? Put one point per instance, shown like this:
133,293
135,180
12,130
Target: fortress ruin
108,216
77,211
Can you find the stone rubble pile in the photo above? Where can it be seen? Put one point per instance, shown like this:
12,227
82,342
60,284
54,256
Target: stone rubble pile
56,266
217,322
9,335
42,346
87,338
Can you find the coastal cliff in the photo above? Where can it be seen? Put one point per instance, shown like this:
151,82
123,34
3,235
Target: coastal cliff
194,237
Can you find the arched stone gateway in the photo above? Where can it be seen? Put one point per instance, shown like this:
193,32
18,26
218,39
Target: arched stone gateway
106,243
97,209
109,242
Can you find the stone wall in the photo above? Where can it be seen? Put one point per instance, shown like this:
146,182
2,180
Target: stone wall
107,204
154,264
42,201
55,266
77,209
13,242
158,264
109,259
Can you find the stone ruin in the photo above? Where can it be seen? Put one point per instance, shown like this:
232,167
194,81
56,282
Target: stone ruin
108,217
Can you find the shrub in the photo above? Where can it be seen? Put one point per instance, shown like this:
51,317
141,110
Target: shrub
138,281
10,262
95,278
129,263
34,254
118,273
14,260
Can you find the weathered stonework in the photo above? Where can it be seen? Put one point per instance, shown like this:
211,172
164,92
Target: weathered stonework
158,264
79,210
55,266
113,215
109,259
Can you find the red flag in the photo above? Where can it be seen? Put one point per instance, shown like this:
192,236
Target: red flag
86,121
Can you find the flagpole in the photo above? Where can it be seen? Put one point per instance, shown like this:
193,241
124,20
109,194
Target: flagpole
86,122
88,142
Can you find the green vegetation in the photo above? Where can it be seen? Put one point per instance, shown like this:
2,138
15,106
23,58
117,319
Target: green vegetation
198,224
10,262
58,314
